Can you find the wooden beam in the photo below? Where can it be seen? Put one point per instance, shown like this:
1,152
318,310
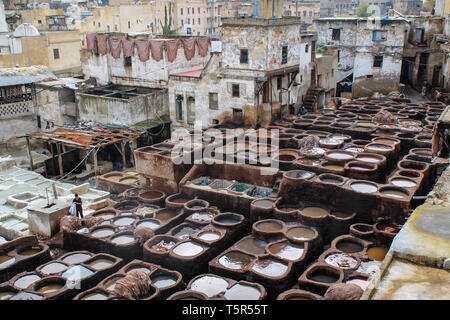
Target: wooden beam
60,162
29,154
95,163
124,158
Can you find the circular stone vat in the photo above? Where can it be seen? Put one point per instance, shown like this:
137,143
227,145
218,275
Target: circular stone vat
361,230
114,177
29,251
102,232
128,205
77,272
354,149
412,165
110,284
100,263
152,196
137,267
149,223
341,260
26,281
5,294
298,174
394,192
236,260
176,200
403,182
188,295
227,219
123,239
95,295
371,158
269,226
195,205
128,180
165,215
270,268
333,166
348,245
339,156
377,253
188,249
379,148
163,280
78,257
6,261
421,152
364,186
323,274
409,174
53,268
309,162
49,285
209,285
314,152
301,234
210,235
362,282
314,212
105,214
252,245
243,292
184,230
331,178
286,250
295,294
263,203
124,221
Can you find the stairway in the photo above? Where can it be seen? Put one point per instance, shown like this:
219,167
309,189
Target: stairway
310,99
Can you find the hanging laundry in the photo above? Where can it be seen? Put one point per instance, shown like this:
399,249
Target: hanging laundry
202,44
143,48
102,40
172,49
90,41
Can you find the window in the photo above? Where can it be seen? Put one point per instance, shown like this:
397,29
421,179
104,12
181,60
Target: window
127,62
129,25
193,21
235,91
179,107
304,13
38,118
198,20
181,11
182,22
213,101
378,35
188,10
244,56
40,21
188,30
55,53
339,55
279,82
420,35
115,27
284,54
108,27
378,61
99,24
336,34
198,10
93,23
307,48
310,14
189,21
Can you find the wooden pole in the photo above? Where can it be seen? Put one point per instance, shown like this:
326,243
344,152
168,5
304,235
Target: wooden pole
60,162
95,163
29,154
124,159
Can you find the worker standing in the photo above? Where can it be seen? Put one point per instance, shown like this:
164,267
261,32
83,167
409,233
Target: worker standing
78,204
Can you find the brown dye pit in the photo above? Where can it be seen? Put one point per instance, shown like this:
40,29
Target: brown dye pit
349,246
187,249
252,245
76,258
263,203
6,261
363,187
235,260
323,276
379,147
26,281
242,292
123,239
151,195
52,268
105,215
128,180
287,209
226,220
342,215
209,285
377,253
300,233
269,226
180,200
95,296
286,251
315,212
30,251
309,162
113,178
49,288
100,264
406,183
330,179
299,174
340,156
270,267
333,167
166,214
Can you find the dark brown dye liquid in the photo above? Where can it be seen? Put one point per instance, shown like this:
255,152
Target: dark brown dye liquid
349,246
322,276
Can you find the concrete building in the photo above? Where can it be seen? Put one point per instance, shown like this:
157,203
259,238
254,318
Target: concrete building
248,80
422,57
442,8
337,8
327,72
369,49
307,10
216,9
190,17
18,105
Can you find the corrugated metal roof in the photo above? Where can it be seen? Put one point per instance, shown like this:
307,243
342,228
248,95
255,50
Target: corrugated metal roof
12,80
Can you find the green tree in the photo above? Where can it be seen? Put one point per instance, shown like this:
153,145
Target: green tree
362,10
167,26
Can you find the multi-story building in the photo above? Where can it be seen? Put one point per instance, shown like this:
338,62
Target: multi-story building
307,10
217,9
190,17
408,7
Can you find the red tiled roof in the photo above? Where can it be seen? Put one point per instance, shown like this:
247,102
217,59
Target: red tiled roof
193,73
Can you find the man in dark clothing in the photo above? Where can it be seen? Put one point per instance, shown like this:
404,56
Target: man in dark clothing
78,204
